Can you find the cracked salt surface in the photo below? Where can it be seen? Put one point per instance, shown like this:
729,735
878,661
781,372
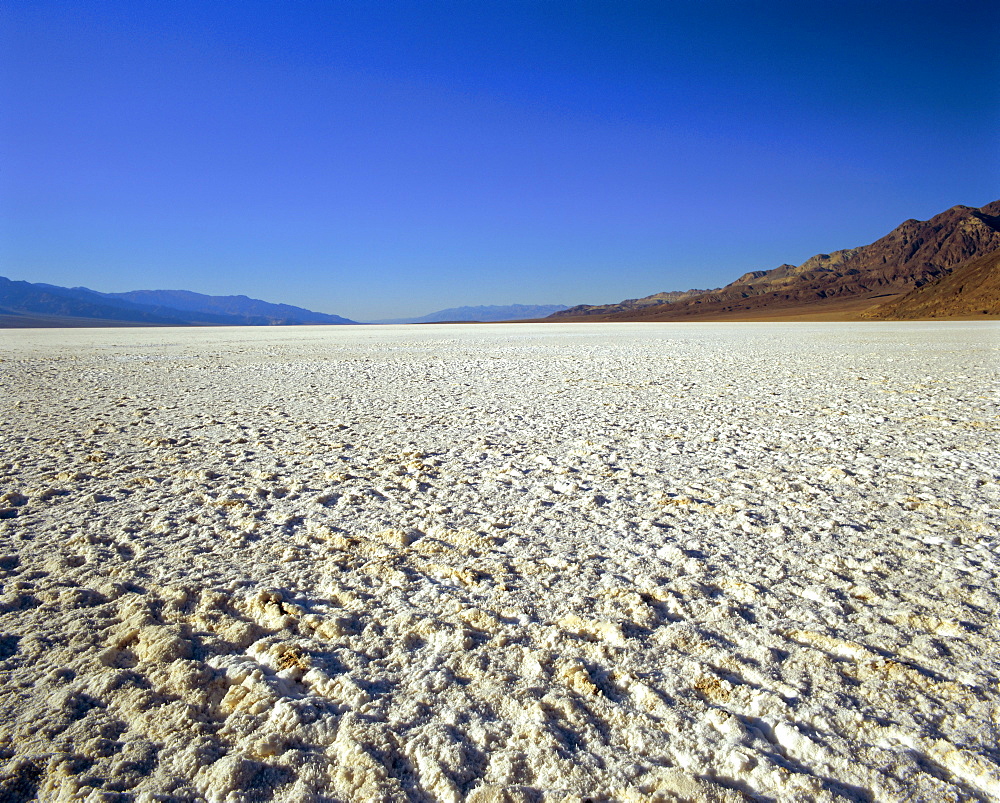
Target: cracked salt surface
500,563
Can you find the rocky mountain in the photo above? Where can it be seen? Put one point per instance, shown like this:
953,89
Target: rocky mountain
914,254
970,290
485,314
28,304
629,304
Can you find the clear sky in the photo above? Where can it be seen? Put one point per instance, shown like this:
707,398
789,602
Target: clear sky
383,159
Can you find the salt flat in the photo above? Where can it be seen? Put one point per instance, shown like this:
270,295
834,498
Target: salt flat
501,563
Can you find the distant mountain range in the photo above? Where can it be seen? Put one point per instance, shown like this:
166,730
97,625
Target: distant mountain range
26,304
943,267
511,312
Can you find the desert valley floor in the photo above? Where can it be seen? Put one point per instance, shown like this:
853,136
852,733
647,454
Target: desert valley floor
619,562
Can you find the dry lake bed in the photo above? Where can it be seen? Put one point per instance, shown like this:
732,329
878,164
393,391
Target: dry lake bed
629,562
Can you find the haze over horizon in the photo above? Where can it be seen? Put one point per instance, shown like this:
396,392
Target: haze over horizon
380,161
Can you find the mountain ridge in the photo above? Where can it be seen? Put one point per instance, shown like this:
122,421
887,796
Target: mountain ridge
24,303
914,254
238,305
970,290
932,268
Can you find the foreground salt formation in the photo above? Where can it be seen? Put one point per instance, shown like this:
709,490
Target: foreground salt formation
535,563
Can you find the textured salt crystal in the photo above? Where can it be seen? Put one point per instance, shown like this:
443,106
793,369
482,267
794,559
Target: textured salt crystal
489,563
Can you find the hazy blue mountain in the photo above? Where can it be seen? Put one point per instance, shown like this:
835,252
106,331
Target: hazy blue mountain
40,301
511,312
239,306
46,304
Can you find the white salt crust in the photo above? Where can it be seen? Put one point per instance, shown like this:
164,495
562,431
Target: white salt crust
500,563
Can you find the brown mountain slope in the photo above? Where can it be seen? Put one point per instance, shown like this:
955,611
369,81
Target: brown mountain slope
656,299
971,290
913,254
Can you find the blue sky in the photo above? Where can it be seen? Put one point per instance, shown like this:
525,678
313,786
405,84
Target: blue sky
390,159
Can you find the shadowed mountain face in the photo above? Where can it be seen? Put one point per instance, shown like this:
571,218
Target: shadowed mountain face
970,290
23,303
914,254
